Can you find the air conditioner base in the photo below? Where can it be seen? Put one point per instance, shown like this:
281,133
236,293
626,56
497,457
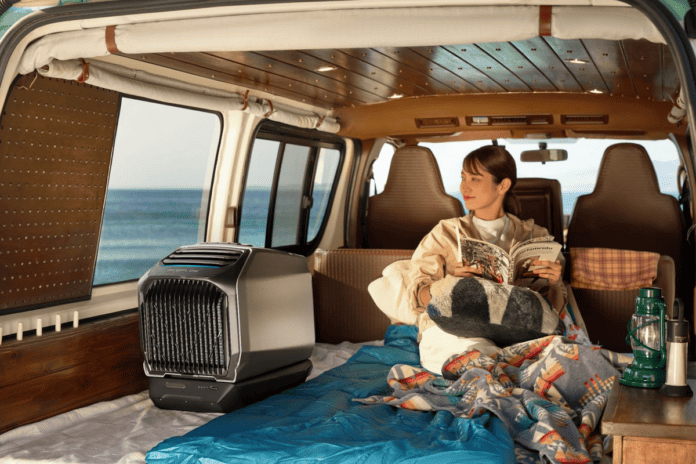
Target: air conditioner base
211,396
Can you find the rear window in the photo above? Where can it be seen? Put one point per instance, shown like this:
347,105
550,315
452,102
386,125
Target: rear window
577,175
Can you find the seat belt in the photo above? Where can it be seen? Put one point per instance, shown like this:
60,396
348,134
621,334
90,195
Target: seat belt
363,209
684,203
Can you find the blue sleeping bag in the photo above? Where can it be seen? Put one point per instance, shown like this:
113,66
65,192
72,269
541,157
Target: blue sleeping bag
318,422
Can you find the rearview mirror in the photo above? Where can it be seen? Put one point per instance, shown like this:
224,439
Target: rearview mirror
542,156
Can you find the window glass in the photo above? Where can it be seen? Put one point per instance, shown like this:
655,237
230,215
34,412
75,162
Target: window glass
157,197
290,179
577,175
327,167
258,192
288,201
380,169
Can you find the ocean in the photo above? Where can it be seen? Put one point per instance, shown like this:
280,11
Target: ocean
143,226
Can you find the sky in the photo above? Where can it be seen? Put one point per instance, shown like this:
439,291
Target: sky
577,174
163,146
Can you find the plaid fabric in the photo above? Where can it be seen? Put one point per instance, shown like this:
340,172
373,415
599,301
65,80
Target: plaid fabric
608,269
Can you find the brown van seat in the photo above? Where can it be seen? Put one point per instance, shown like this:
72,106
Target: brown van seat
626,210
412,203
606,312
541,200
343,308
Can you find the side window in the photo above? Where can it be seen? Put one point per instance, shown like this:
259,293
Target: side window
380,169
159,186
326,170
289,188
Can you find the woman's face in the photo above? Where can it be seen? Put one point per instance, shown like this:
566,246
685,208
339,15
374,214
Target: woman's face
482,195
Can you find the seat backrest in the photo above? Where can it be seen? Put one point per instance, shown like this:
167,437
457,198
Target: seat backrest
541,200
412,203
343,307
626,210
607,312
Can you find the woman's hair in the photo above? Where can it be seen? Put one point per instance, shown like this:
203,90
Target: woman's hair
501,165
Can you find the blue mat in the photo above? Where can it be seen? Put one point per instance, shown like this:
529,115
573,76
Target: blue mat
318,422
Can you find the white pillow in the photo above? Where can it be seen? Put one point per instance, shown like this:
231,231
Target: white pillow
389,293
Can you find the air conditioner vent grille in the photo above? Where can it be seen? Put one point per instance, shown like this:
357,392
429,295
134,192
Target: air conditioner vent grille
202,256
185,327
584,119
508,120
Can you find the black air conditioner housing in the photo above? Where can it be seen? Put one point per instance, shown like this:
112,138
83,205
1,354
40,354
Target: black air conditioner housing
225,325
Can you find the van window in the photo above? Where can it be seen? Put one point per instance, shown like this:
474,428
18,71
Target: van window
159,186
289,188
577,175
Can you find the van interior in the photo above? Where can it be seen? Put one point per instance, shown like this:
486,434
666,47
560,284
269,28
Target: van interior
332,131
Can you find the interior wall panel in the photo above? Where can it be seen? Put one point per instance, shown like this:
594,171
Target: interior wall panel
56,140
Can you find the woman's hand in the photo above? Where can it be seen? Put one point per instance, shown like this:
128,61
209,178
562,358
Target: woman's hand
550,270
424,296
466,271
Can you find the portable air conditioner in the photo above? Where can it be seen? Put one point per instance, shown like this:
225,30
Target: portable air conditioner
225,325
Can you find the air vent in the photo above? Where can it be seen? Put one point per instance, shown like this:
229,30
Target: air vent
508,120
185,327
584,119
202,256
526,120
428,123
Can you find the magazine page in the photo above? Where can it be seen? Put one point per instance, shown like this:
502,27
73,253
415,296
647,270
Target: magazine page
529,252
490,259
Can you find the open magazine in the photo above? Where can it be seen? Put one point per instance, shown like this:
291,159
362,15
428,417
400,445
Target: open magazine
507,268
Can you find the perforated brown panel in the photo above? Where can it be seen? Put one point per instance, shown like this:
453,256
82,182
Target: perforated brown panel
56,140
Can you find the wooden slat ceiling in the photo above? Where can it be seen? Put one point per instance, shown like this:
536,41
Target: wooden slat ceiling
628,68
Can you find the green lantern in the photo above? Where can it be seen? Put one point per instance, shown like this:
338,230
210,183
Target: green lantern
646,335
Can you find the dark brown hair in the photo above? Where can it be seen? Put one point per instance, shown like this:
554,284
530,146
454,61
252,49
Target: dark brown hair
501,165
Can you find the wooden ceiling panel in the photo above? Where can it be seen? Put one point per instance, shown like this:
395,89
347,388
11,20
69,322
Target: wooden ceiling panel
427,85
538,52
365,76
610,59
586,74
347,64
483,63
670,78
242,76
441,56
507,55
302,68
444,76
645,64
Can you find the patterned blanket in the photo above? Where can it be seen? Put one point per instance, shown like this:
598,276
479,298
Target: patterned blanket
550,393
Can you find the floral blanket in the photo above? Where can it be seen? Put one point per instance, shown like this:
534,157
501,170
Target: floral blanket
550,393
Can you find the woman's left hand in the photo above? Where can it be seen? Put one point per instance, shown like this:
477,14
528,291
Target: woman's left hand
550,270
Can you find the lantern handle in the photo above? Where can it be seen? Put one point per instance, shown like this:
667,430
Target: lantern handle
663,338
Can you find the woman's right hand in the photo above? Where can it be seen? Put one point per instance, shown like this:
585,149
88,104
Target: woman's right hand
466,271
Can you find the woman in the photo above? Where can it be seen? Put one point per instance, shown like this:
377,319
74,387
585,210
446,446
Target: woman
488,175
